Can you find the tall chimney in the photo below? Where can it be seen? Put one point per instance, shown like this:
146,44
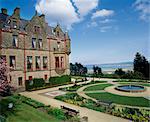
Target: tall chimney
4,11
17,12
42,17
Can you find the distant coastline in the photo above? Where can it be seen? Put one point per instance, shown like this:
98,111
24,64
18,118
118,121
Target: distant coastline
109,68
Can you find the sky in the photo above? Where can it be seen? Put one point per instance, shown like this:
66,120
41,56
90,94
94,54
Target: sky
101,31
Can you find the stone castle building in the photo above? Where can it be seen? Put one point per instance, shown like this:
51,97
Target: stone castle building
32,48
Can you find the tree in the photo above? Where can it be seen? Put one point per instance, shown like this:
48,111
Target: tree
141,65
77,69
5,88
119,72
97,71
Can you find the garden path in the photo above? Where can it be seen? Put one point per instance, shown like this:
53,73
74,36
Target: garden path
93,116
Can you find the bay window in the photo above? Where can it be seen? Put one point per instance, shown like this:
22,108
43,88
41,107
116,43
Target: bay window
56,62
62,62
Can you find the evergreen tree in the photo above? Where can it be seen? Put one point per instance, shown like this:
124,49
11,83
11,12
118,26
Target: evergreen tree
119,72
77,69
141,65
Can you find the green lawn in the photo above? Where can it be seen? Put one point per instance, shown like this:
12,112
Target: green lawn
133,101
75,88
27,113
97,87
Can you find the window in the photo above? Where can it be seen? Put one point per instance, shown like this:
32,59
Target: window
37,29
30,78
58,45
3,57
45,77
12,62
20,81
33,42
29,62
62,62
45,61
15,41
40,43
58,33
37,62
57,62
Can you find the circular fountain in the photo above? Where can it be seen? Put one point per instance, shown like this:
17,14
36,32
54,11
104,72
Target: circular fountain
131,88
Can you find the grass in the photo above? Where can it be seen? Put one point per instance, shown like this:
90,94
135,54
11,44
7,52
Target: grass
125,100
97,87
27,113
75,88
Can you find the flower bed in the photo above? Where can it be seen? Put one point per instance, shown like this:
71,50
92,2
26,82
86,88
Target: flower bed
120,111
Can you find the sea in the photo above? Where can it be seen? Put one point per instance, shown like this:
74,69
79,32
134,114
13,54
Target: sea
109,68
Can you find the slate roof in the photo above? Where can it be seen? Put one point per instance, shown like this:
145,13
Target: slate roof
4,19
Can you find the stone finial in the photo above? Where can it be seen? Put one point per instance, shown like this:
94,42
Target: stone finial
4,11
42,16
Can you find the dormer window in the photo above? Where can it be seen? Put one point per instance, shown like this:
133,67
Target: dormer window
33,42
58,45
36,29
40,43
15,41
58,33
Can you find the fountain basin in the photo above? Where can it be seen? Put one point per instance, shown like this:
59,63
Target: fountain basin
131,88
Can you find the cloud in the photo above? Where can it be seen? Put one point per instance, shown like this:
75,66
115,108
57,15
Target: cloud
92,24
143,6
66,12
102,13
85,6
105,28
106,21
60,11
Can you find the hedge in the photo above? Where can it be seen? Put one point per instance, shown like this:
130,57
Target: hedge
35,83
39,83
59,80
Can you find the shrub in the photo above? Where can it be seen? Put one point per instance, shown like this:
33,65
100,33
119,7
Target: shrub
35,83
29,101
8,106
39,83
58,113
60,80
